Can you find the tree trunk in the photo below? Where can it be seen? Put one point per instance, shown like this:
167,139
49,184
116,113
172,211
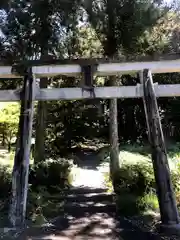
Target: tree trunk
166,196
113,132
20,172
41,118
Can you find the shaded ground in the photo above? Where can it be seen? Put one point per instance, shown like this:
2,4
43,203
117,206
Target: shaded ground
89,214
89,211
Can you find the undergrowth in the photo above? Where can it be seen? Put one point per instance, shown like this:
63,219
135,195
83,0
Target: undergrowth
135,183
47,182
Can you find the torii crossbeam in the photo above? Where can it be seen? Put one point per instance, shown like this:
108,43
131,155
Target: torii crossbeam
164,64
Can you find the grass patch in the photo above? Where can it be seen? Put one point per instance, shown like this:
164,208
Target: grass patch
136,149
135,183
138,154
149,202
126,157
130,204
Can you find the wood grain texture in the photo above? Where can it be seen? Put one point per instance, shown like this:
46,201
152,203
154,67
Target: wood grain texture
165,192
20,172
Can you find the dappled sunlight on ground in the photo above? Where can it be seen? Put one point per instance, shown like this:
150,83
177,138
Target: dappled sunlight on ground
88,178
88,171
97,226
89,212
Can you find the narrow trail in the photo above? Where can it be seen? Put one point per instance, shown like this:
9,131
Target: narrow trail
90,212
89,172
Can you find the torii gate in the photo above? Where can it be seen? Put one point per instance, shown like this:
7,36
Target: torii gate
146,90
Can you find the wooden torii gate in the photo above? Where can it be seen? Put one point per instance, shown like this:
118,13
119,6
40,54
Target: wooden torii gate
32,70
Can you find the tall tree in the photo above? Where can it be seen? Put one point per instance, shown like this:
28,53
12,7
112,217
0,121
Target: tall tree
52,23
34,30
125,22
119,25
31,32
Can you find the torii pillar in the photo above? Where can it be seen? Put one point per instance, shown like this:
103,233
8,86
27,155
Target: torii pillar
17,212
170,221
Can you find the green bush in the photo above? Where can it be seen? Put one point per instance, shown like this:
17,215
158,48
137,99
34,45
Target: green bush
47,182
149,202
128,204
135,188
5,182
137,179
175,177
42,206
133,185
53,175
5,190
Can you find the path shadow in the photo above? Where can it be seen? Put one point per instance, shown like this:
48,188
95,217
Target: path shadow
87,159
88,214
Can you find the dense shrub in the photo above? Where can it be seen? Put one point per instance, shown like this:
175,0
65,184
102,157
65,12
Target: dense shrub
5,182
127,204
135,188
149,202
42,205
47,179
53,175
136,179
5,191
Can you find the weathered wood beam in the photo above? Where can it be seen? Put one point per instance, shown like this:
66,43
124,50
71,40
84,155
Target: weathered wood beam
168,90
80,93
165,192
20,172
104,68
6,72
107,69
9,95
72,93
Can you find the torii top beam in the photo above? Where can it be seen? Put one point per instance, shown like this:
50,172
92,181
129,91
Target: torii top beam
105,67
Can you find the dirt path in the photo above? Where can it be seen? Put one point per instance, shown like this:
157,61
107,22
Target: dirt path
89,213
89,172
